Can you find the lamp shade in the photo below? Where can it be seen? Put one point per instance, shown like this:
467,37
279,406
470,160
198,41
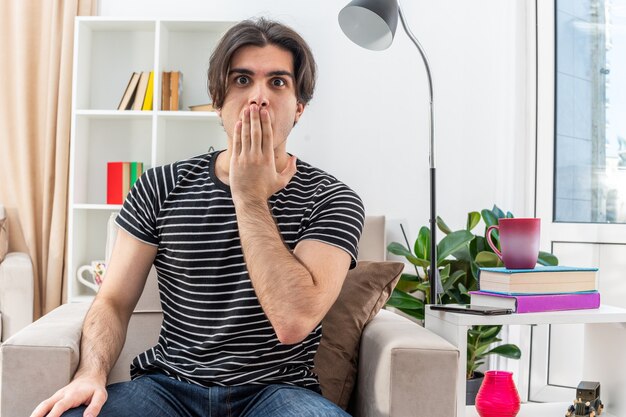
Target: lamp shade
370,23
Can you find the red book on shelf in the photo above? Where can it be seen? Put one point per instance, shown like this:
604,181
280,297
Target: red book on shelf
118,182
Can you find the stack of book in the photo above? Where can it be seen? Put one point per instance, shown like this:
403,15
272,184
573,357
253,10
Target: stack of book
549,288
139,92
121,176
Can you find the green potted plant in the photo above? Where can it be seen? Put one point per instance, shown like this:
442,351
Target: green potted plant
460,255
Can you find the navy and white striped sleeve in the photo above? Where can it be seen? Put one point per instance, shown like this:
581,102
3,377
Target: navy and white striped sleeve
141,207
337,219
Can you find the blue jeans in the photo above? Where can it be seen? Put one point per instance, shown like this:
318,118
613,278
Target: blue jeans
158,395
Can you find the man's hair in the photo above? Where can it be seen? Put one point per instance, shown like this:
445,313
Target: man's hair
261,32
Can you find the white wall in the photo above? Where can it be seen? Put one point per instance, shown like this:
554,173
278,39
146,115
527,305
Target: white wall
368,121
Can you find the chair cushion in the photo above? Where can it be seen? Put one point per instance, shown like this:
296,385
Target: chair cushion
365,291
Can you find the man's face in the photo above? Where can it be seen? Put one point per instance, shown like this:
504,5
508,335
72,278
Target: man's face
264,76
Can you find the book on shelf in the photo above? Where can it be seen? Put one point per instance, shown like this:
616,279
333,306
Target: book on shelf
171,90
121,176
142,87
539,280
118,174
534,303
202,107
176,89
147,101
165,90
127,98
136,169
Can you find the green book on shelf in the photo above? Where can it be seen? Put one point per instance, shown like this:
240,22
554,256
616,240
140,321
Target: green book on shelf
136,169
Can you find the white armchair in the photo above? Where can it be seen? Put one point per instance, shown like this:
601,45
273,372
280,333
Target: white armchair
403,369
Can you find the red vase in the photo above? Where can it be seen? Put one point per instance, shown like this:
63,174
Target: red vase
497,396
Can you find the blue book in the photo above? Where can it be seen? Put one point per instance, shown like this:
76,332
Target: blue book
539,280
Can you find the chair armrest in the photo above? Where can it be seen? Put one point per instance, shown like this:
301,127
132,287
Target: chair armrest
16,293
40,359
404,367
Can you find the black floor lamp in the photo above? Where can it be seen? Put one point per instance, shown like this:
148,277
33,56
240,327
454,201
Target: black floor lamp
372,25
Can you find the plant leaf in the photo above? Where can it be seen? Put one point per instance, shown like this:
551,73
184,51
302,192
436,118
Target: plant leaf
462,289
444,273
455,296
480,350
475,271
473,218
508,351
422,244
509,215
487,259
443,226
477,245
452,242
489,341
398,249
410,278
489,332
407,286
452,279
400,299
458,274
489,217
499,213
463,254
547,259
419,262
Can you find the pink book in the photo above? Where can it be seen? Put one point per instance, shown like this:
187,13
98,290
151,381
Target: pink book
537,302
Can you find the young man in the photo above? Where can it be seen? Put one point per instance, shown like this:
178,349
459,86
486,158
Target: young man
251,246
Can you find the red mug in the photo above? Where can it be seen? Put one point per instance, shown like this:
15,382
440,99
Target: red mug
519,240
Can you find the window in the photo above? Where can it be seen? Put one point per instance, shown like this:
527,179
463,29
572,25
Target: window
590,128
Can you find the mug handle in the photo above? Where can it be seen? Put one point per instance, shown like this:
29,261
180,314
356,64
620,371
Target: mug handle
79,276
490,242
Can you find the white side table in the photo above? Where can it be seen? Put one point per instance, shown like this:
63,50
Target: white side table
453,327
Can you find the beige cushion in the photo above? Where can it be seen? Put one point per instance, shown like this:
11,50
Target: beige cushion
365,291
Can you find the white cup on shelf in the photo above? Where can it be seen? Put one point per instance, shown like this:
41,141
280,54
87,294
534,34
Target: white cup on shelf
96,271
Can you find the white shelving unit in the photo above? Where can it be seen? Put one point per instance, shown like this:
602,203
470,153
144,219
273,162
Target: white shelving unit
107,51
603,323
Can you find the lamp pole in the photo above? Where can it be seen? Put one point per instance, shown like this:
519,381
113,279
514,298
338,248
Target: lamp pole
433,273
372,25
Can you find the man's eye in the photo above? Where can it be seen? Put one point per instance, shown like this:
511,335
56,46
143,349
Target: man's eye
278,82
242,80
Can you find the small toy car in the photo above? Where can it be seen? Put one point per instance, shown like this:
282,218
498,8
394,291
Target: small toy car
587,402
